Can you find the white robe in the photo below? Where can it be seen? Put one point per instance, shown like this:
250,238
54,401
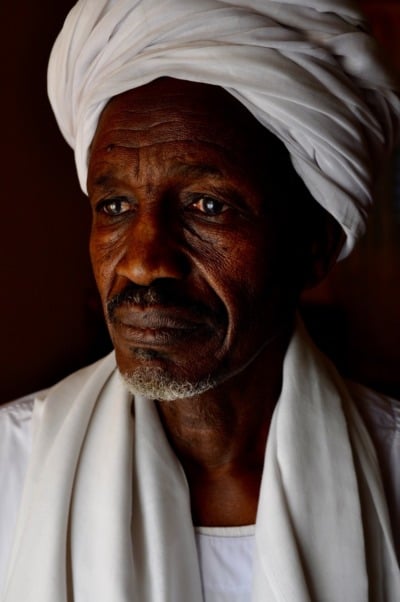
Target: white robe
322,530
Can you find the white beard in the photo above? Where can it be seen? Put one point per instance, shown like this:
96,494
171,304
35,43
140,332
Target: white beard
156,383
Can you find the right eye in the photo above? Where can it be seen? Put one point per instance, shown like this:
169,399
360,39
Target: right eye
114,207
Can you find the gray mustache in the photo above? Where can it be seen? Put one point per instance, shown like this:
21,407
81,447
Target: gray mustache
157,296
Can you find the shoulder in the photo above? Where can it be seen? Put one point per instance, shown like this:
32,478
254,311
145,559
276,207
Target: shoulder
15,444
15,419
381,413
16,430
16,415
17,408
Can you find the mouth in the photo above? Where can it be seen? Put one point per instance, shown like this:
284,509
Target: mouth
158,327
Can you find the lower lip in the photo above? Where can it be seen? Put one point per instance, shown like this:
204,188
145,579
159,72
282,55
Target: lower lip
156,337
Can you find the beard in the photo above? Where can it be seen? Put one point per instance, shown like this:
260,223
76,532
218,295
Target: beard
161,382
157,383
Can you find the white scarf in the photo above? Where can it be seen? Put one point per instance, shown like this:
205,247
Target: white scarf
105,515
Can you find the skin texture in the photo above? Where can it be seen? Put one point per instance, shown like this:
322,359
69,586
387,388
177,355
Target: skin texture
199,252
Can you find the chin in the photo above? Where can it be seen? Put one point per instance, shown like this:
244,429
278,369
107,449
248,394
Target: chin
157,383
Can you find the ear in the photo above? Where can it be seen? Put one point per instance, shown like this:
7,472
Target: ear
326,243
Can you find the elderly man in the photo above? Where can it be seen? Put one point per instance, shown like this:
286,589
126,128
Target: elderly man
216,455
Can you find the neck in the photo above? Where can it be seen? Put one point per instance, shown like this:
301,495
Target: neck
220,438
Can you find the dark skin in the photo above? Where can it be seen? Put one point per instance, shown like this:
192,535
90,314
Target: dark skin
187,201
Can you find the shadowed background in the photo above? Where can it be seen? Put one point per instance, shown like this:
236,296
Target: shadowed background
51,322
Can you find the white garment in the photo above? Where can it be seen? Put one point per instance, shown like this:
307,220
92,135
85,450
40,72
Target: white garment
226,559
15,447
312,543
306,69
382,416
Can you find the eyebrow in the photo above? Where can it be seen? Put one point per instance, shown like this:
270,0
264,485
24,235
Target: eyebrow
196,170
103,181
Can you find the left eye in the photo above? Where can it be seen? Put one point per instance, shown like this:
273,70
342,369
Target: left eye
114,207
209,206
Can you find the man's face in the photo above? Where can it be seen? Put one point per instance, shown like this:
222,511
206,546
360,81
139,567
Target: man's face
189,243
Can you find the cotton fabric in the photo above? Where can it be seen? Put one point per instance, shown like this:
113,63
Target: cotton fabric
15,446
306,69
85,487
226,563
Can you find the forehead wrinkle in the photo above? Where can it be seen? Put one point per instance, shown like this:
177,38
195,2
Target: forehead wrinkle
170,117
127,143
120,135
164,128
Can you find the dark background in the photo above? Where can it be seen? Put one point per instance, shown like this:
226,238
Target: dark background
50,319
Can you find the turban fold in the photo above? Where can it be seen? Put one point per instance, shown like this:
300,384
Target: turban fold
306,69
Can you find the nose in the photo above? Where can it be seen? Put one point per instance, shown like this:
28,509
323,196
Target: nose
152,251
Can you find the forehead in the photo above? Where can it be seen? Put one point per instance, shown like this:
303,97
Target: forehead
176,103
185,118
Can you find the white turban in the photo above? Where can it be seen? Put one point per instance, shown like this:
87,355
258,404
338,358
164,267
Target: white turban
306,69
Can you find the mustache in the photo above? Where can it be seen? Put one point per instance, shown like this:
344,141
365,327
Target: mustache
159,295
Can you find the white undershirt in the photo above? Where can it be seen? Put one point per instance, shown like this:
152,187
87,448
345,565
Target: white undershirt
226,562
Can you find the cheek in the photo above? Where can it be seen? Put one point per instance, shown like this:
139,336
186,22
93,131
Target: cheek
105,252
239,268
253,282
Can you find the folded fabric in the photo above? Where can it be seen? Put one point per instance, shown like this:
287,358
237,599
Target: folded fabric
306,69
106,514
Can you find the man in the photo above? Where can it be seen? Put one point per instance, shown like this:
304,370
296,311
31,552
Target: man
217,455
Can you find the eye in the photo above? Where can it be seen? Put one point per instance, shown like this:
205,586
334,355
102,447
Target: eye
114,207
209,206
